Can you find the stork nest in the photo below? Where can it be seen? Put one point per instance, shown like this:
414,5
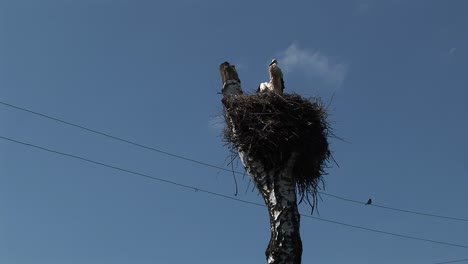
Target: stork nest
270,127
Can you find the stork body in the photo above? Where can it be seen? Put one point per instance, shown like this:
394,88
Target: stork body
276,77
276,83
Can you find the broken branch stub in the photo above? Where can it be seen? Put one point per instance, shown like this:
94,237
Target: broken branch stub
230,79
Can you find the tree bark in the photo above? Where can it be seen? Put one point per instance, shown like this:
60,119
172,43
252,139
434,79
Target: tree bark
278,190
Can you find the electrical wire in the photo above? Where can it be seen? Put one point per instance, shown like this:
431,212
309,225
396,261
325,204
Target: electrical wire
452,261
128,171
385,232
394,209
222,195
207,164
113,137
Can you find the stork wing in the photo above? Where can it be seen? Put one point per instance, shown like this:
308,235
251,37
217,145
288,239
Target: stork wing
264,86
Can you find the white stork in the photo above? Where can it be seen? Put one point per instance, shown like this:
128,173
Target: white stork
276,77
276,83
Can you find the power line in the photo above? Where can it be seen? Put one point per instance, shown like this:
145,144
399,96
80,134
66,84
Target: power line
385,232
452,261
207,164
113,137
128,171
222,195
394,209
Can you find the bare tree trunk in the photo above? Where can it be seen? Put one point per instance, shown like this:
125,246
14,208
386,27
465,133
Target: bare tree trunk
278,190
277,187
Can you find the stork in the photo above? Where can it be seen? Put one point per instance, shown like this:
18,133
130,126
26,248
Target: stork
276,83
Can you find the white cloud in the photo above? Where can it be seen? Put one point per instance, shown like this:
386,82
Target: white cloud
313,64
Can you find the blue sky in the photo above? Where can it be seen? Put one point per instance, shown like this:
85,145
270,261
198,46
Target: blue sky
147,71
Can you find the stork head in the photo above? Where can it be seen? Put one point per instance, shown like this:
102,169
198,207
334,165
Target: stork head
273,62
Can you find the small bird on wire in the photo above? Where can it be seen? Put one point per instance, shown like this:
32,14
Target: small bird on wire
369,201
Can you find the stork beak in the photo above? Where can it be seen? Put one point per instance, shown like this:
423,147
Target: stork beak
272,61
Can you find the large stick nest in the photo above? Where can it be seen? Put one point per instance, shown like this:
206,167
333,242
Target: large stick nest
270,127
